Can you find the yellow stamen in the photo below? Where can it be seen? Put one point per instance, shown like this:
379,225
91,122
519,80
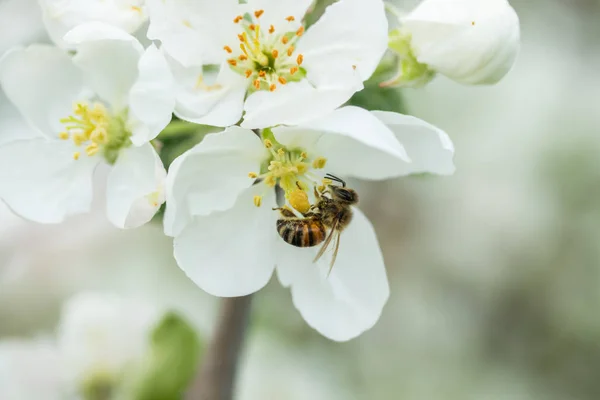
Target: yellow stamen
290,51
232,62
91,149
237,19
227,49
270,181
256,84
299,59
272,87
275,53
252,175
282,80
248,73
268,143
187,23
262,74
290,18
303,155
285,40
63,135
319,162
258,13
257,201
300,31
242,57
271,29
293,70
76,155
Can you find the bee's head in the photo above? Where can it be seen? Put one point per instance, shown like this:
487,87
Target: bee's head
343,194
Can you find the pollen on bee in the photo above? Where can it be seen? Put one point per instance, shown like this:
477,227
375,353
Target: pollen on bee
271,29
257,201
299,59
299,200
290,18
76,155
258,13
300,31
237,19
282,80
272,87
227,49
252,175
319,163
275,53
293,70
63,135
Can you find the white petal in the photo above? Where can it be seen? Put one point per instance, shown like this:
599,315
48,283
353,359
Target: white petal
429,148
152,97
211,175
206,99
194,32
43,83
470,41
40,180
350,300
354,142
294,103
228,253
109,58
350,33
135,188
276,12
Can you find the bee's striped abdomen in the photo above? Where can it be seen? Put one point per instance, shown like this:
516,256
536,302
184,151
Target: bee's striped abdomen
299,232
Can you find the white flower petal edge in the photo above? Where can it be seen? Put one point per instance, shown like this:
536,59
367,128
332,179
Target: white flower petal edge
109,57
351,32
151,98
469,41
349,301
430,148
356,143
135,188
40,180
211,176
295,103
235,246
43,83
279,10
61,16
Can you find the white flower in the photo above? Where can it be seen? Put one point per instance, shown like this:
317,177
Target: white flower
101,336
470,41
48,178
225,228
60,16
289,75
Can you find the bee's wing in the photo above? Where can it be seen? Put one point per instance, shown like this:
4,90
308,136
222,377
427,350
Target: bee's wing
327,241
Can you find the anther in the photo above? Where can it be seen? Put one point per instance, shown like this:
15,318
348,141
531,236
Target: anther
271,29
284,40
275,53
268,143
252,175
270,181
76,155
319,163
262,74
258,13
304,155
256,84
300,31
281,152
227,49
282,80
293,70
248,73
257,201
91,149
237,19
242,57
242,37
290,51
272,87
232,62
299,59
251,27
63,135
290,18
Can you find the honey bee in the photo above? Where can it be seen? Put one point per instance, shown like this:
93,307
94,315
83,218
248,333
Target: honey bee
332,211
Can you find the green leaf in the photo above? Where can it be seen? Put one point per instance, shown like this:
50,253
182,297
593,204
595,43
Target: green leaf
171,362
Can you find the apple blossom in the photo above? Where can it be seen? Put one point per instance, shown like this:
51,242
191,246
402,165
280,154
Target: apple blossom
48,178
270,66
221,195
473,42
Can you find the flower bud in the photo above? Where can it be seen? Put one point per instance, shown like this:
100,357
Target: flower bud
473,42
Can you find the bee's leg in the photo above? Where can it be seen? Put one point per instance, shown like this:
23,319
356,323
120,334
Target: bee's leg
285,212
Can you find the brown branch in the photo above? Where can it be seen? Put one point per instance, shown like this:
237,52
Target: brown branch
219,366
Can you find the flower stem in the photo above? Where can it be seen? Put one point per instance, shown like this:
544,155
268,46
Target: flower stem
217,374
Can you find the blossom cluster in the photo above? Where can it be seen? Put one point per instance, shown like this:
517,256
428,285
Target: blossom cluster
260,195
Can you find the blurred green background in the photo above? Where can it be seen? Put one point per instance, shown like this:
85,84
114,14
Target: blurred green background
494,272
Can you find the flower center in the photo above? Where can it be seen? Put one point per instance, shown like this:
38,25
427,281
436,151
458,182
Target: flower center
291,169
267,58
94,129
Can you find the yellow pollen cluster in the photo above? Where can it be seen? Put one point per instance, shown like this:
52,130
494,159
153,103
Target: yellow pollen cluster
266,57
87,127
291,170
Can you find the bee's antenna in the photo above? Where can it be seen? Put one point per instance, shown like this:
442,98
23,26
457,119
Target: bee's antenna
335,178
